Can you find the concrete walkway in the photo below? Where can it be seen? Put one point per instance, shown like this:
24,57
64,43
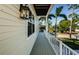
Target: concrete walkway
42,46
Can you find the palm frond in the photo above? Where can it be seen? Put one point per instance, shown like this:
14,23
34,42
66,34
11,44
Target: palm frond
74,16
74,6
64,16
70,15
58,10
51,15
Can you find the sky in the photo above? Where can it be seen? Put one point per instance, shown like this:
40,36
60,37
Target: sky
65,11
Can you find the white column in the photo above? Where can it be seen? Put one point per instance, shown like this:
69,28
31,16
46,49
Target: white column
26,29
36,24
46,24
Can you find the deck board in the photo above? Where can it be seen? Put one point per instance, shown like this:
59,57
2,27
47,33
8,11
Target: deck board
42,46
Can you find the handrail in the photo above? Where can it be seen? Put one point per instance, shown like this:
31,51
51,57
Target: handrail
70,49
59,47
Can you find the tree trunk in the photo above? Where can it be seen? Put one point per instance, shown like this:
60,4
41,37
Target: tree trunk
56,27
71,24
70,31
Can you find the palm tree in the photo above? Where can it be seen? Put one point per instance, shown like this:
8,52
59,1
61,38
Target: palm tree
56,15
73,15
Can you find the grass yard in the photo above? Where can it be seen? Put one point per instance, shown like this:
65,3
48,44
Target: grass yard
73,43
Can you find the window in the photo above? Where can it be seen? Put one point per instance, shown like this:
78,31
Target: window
30,28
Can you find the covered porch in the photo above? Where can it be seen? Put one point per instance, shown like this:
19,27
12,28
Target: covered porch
20,31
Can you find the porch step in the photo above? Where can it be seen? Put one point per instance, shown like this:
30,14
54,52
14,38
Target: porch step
42,46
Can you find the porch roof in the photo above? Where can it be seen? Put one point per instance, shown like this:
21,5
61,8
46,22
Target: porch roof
41,9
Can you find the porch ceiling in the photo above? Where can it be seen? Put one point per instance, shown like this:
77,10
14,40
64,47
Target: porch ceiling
41,9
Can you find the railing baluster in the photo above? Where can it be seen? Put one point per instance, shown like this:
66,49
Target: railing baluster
66,51
69,52
59,47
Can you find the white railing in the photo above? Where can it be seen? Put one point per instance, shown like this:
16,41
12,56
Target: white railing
58,46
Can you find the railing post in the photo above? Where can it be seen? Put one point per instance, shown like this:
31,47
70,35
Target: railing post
60,45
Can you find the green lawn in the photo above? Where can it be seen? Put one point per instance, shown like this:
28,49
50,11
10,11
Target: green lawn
73,43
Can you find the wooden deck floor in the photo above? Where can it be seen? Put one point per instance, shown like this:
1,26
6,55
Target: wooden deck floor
42,46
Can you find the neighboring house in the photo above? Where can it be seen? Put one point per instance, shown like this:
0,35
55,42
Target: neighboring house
76,30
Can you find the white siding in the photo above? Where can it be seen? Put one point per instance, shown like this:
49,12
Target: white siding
12,31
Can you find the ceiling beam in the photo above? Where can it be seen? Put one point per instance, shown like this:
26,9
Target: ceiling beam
32,9
41,4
